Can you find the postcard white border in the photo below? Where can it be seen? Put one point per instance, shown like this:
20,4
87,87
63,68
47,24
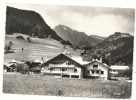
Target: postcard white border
102,3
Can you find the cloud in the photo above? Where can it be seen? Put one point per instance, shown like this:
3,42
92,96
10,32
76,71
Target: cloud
100,21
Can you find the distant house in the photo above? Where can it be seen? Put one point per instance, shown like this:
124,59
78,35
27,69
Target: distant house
8,67
63,65
96,70
115,69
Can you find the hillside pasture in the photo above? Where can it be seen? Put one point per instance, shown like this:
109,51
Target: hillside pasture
34,50
48,85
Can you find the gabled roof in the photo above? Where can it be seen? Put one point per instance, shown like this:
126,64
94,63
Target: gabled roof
95,60
80,60
16,61
8,65
38,61
75,59
116,67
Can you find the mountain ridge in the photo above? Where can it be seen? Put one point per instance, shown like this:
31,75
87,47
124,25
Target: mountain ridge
76,37
120,48
28,22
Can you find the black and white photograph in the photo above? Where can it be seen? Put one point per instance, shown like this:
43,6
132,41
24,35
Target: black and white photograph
68,51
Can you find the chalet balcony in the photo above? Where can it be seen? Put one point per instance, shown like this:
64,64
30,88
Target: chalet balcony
95,68
59,65
61,72
95,74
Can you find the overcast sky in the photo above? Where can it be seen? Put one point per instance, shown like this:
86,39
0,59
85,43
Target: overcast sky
91,20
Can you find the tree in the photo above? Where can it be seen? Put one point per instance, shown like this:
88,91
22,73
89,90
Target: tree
7,48
45,36
25,68
10,43
33,35
28,39
126,73
22,68
108,59
18,67
49,36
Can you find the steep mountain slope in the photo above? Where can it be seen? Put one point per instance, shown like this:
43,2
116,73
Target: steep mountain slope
113,42
119,46
117,35
95,39
27,22
76,37
124,53
98,37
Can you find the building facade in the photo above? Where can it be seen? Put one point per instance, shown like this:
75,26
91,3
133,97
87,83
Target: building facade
115,69
62,66
96,70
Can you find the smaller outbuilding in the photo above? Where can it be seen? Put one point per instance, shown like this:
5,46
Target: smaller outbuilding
96,70
115,69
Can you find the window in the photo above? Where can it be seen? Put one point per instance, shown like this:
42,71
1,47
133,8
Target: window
54,62
88,71
66,63
52,69
74,76
102,72
95,66
75,70
69,63
97,72
63,69
92,71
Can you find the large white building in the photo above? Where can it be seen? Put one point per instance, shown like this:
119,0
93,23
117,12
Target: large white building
64,65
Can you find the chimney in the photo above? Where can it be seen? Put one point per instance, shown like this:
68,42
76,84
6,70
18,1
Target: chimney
101,60
65,51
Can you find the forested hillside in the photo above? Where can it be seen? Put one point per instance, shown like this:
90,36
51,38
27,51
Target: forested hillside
117,48
27,22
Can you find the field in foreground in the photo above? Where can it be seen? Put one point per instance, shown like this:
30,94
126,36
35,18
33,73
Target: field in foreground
47,85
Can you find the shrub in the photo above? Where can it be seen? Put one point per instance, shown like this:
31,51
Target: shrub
10,43
22,68
28,39
7,48
49,36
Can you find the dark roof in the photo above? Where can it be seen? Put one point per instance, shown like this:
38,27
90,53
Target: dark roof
60,55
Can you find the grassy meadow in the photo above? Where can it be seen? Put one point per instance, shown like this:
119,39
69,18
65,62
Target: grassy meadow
34,50
47,85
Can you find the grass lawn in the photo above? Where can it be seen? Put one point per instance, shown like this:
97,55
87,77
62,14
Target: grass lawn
47,85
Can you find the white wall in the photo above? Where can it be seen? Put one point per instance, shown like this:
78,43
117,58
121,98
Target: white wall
70,71
100,66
